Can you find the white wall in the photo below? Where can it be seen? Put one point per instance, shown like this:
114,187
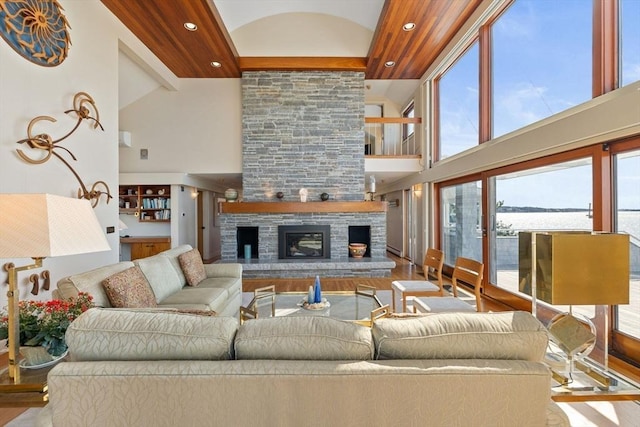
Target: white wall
183,214
395,222
197,129
29,90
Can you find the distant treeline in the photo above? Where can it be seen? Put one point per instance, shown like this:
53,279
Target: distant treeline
505,209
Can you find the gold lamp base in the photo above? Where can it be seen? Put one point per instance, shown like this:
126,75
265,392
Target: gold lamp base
13,298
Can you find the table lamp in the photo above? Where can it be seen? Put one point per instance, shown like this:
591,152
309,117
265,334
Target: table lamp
38,226
575,268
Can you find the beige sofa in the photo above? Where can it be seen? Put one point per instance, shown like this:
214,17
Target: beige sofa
149,368
221,291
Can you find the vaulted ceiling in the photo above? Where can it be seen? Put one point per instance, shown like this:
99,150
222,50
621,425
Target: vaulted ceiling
189,54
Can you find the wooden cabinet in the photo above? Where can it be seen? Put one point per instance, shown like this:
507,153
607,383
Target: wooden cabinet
142,247
150,203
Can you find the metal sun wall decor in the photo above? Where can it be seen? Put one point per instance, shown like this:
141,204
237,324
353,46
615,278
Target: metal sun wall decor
36,29
82,106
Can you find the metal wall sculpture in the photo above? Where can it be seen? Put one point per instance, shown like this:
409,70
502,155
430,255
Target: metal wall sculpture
83,105
36,29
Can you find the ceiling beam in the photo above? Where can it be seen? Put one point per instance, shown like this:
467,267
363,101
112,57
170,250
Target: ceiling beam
301,63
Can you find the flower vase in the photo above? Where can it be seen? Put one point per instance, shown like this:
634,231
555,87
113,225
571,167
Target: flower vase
35,355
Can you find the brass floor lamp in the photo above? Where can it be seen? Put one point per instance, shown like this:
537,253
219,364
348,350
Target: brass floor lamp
38,226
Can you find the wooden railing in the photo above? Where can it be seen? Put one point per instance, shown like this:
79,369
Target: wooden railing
384,136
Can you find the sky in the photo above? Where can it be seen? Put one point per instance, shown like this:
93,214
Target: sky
541,51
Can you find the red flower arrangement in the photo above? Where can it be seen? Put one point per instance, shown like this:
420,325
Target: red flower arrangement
44,323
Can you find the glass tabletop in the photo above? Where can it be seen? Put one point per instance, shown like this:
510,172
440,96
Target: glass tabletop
358,306
589,381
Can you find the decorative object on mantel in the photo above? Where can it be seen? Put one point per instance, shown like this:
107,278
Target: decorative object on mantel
38,226
357,250
372,187
280,195
231,194
303,194
372,184
42,141
37,30
324,197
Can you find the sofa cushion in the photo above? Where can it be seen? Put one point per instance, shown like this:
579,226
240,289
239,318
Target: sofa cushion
303,338
231,284
513,335
124,334
130,289
161,275
172,255
197,298
192,267
91,283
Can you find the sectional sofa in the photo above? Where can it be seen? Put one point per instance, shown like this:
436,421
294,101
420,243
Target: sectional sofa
220,290
150,368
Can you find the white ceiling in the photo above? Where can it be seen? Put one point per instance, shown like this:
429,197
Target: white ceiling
236,13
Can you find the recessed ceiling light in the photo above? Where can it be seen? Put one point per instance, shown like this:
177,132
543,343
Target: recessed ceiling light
190,26
409,26
216,64
390,63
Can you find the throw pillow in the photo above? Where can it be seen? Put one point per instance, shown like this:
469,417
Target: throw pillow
192,267
129,289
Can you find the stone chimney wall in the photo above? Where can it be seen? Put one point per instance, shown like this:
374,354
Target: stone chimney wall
303,130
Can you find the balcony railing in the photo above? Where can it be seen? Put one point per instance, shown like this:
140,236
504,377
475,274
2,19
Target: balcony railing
385,136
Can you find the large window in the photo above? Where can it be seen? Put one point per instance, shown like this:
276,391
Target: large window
460,215
627,218
458,91
542,53
629,41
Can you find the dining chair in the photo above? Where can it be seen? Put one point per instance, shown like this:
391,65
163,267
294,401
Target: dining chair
432,267
466,270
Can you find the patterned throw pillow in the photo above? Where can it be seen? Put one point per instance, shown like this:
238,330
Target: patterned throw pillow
129,289
192,267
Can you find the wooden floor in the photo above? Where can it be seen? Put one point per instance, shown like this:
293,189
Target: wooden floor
596,414
404,270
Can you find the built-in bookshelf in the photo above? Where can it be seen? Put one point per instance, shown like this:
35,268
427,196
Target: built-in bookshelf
150,203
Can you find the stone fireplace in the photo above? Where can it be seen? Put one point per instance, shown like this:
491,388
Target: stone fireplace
305,130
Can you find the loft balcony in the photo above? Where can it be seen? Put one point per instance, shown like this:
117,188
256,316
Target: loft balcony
391,148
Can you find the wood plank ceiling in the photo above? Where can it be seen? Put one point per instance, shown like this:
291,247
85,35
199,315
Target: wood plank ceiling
160,26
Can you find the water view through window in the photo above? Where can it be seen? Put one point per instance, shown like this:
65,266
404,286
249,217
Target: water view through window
627,217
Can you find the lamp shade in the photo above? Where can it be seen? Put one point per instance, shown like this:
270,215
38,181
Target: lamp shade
45,225
576,268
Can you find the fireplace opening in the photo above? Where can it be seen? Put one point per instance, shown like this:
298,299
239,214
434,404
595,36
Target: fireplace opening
304,241
361,234
247,236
